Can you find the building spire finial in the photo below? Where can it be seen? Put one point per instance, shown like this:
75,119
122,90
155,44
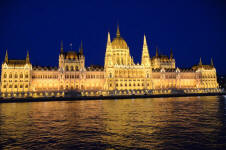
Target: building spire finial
118,32
81,48
200,61
156,53
6,56
212,62
27,58
171,53
61,46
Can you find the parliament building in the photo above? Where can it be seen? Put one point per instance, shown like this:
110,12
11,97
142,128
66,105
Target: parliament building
119,76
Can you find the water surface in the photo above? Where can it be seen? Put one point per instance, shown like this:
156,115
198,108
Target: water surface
154,123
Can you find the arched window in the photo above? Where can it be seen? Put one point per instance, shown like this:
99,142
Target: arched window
16,76
72,68
5,75
21,75
10,75
66,68
76,68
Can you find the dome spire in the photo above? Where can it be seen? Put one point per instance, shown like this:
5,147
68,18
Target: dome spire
118,32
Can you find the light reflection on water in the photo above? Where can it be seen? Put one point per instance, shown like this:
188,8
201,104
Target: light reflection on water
156,123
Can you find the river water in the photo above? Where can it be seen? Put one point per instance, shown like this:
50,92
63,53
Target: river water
154,123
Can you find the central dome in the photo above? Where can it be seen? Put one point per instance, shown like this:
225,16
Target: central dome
71,55
119,42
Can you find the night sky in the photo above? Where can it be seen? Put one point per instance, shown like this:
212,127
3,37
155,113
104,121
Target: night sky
192,28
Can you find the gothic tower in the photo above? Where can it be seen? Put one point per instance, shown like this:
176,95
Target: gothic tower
145,60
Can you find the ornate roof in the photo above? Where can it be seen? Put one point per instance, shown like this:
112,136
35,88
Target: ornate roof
16,63
161,57
45,68
207,67
95,68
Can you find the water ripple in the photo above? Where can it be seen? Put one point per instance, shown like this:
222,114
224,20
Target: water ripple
157,123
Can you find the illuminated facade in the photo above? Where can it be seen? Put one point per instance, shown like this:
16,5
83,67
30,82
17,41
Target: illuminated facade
119,76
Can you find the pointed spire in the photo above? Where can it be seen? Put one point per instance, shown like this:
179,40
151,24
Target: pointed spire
118,32
6,56
200,61
61,46
109,38
156,53
27,58
109,42
212,62
145,60
81,49
145,41
171,53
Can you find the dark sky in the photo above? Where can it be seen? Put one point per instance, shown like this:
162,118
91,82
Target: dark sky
192,28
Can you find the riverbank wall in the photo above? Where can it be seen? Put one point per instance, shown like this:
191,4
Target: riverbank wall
78,98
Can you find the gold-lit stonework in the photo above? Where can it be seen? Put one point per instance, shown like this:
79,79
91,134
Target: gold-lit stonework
119,76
